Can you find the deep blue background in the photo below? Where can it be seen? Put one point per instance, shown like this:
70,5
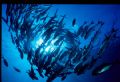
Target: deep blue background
82,13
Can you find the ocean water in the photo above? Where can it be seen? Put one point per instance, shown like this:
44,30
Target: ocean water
81,12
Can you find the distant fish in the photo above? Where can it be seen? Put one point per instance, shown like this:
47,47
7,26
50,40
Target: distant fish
40,72
44,18
102,68
79,69
88,32
5,20
73,22
111,35
32,74
16,69
81,29
5,62
21,53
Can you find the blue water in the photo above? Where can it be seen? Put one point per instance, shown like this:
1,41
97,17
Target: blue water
82,12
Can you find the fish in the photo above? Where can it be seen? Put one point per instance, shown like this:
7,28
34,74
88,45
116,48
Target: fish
63,55
110,36
21,53
61,21
103,68
30,54
81,29
100,69
51,19
63,77
5,20
8,10
88,33
55,14
44,18
73,22
61,38
51,78
48,70
107,37
80,68
56,72
69,36
48,62
77,57
90,30
96,34
45,11
40,72
5,62
58,32
16,69
51,61
84,31
12,39
87,30
32,74
48,31
54,61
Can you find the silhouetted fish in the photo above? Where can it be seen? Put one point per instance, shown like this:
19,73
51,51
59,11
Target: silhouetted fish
81,29
40,72
5,20
21,53
44,18
61,21
79,69
16,69
74,22
32,74
100,69
103,67
5,62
